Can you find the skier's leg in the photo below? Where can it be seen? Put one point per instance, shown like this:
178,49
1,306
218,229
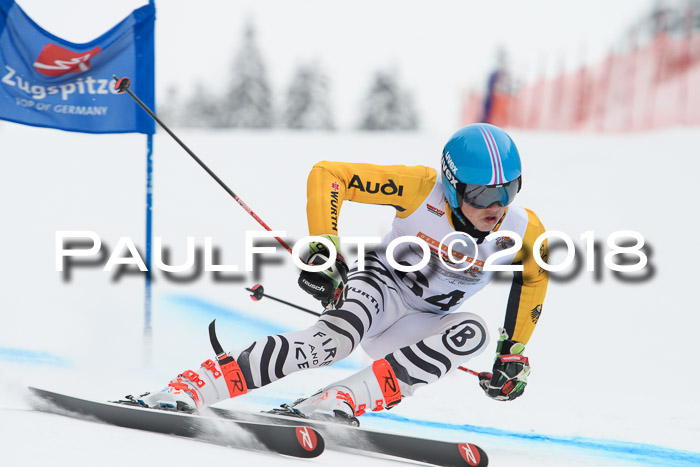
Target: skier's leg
461,337
372,303
453,339
332,338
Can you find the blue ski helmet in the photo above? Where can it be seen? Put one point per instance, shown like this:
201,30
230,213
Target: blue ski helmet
481,166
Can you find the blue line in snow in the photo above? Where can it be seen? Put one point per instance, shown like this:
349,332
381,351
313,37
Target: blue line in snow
32,357
247,326
200,308
645,453
639,452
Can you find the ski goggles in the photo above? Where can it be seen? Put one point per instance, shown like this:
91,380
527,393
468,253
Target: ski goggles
483,196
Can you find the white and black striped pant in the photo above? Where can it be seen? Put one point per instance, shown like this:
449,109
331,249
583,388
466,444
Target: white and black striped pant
421,347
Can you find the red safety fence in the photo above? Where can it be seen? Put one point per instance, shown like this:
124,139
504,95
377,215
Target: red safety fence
653,86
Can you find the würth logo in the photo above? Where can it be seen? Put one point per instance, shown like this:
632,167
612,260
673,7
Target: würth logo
54,60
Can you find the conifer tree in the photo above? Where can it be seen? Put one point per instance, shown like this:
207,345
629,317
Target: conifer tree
248,101
387,106
307,103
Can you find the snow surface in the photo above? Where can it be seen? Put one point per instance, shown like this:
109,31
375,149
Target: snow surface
612,383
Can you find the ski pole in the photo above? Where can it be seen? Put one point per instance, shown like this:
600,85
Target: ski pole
258,292
123,86
472,372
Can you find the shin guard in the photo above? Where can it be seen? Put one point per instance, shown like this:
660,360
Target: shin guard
373,389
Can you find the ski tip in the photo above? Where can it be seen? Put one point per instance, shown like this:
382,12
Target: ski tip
473,455
36,393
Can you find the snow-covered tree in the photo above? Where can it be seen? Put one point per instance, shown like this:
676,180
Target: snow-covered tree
202,109
170,108
308,102
248,101
387,106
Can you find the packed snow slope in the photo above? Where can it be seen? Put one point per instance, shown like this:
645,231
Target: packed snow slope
613,380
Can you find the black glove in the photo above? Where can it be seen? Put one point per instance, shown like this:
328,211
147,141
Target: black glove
510,371
328,286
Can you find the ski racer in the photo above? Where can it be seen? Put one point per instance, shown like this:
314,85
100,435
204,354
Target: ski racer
407,321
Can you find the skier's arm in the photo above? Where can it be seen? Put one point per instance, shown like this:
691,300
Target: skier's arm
508,378
331,183
529,286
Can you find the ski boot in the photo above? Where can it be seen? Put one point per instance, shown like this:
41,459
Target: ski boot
328,405
373,389
191,391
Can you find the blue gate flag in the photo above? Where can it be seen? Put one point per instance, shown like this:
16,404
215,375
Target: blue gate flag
46,81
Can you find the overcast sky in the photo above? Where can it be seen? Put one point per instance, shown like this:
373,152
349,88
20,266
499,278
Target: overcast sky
440,48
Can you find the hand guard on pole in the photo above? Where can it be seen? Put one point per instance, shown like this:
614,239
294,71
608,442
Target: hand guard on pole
328,285
510,371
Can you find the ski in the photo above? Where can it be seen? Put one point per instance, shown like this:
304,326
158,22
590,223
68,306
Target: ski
373,442
293,439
